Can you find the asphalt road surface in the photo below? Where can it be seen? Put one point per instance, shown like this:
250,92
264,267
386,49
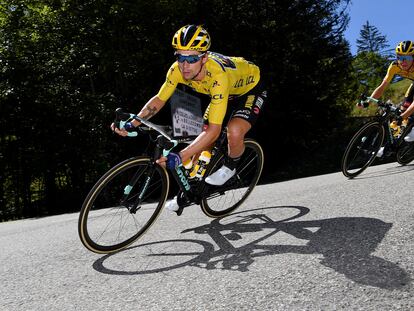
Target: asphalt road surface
318,243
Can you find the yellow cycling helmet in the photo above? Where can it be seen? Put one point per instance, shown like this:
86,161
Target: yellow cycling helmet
405,48
191,38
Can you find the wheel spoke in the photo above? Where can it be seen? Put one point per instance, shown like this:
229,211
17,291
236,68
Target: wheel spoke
362,149
107,225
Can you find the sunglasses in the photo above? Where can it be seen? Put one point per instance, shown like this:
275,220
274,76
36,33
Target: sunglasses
191,59
402,58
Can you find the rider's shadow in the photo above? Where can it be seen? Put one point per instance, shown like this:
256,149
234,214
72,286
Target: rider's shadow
346,245
387,171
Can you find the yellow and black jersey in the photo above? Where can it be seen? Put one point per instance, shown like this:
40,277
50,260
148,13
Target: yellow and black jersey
394,70
225,77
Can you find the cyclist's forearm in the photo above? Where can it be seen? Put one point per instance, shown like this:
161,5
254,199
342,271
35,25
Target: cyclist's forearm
408,112
150,109
379,90
201,143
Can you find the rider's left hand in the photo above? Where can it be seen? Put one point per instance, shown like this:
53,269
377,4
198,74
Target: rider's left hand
121,132
172,160
363,104
162,161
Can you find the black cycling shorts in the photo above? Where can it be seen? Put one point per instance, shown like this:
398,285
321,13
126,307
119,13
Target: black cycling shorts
247,106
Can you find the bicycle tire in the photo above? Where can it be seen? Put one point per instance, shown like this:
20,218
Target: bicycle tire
106,223
362,149
238,187
158,257
405,152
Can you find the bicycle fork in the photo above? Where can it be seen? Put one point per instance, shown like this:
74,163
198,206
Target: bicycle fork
148,173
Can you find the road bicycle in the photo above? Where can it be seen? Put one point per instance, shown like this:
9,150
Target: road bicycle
363,148
128,198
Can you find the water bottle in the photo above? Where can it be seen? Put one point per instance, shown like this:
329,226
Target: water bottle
200,168
188,165
395,128
404,124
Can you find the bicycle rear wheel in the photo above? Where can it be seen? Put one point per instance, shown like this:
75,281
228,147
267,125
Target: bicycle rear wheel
122,205
362,149
224,199
405,153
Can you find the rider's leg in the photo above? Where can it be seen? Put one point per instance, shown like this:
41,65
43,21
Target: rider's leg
236,130
410,136
407,109
243,118
407,113
408,98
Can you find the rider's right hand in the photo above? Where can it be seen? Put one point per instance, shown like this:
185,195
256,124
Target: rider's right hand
118,131
127,128
121,132
362,104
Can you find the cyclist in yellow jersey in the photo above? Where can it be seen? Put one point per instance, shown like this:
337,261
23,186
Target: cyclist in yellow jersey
223,76
404,67
235,90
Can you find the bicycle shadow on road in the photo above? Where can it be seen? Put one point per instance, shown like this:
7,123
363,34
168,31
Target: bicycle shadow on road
346,244
398,169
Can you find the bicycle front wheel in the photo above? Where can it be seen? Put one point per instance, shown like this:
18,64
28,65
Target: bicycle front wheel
405,153
362,149
122,205
222,200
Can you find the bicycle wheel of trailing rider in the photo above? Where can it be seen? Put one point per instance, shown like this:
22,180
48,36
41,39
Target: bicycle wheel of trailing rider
405,153
122,205
222,200
362,149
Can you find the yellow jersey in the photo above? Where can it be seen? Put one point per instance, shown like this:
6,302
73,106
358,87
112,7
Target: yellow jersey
225,77
394,69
